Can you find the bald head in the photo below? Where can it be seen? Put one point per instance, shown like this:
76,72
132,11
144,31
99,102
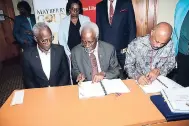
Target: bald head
163,29
160,35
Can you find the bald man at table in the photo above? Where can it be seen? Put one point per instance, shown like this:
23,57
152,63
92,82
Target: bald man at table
152,55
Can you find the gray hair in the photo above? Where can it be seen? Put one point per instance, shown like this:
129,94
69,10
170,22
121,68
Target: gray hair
90,26
39,26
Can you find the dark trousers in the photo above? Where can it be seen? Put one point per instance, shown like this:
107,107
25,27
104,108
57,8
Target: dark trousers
121,60
183,69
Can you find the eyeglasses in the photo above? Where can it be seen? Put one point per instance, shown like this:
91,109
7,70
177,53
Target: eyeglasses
89,43
47,40
74,9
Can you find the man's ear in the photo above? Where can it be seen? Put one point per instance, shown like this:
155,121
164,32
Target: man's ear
97,38
152,32
35,38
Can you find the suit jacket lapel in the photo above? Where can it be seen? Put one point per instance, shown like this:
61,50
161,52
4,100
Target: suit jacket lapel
86,58
53,61
38,65
101,55
117,16
28,23
106,11
32,18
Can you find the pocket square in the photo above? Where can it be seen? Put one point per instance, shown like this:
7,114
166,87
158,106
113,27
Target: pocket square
123,10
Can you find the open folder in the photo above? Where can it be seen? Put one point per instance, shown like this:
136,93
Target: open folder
159,84
88,89
163,107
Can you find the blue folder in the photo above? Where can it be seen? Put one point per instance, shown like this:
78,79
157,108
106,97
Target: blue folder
159,102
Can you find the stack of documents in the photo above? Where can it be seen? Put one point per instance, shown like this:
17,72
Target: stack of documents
177,99
162,106
160,83
89,89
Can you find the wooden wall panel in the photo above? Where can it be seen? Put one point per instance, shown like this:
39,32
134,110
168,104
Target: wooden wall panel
140,16
152,14
145,14
7,48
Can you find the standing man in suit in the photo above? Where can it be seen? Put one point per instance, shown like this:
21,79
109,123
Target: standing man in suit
46,64
23,24
117,26
93,59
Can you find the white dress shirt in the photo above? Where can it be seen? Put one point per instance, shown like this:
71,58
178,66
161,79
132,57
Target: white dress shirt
97,58
114,5
45,61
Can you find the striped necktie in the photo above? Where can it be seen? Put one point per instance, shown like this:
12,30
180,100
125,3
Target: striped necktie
93,64
111,12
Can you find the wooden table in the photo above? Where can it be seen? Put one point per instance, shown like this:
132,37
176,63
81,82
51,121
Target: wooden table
60,106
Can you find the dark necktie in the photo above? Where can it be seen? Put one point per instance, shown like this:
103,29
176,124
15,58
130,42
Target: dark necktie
111,11
93,64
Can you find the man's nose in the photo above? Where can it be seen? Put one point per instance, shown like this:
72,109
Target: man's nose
159,45
87,45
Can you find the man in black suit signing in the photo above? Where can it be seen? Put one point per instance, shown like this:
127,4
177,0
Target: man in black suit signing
46,64
117,26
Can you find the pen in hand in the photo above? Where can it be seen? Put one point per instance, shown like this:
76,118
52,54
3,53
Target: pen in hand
161,82
103,88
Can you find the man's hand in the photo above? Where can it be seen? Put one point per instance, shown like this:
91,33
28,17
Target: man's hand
80,78
143,80
153,74
98,77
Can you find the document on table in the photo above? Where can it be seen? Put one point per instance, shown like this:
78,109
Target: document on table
177,99
87,89
18,97
160,83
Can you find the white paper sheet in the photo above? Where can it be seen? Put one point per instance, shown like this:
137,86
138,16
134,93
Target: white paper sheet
115,86
87,89
18,97
156,86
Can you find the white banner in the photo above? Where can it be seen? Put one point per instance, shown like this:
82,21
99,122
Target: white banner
50,12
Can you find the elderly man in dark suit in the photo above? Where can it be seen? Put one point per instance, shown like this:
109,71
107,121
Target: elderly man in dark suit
93,59
46,64
117,26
